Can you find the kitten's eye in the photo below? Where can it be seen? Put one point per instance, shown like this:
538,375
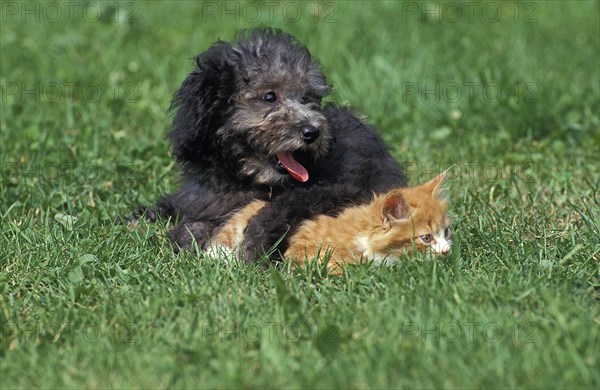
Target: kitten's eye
270,97
426,238
447,233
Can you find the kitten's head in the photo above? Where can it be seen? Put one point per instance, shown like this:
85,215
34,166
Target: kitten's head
413,218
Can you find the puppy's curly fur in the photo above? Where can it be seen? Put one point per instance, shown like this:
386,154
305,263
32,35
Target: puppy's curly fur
249,125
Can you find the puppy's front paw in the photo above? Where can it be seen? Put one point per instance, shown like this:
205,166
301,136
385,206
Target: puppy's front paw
190,235
263,241
253,248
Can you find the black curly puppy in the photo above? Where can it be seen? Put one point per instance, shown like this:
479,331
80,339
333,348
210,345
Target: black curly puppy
249,125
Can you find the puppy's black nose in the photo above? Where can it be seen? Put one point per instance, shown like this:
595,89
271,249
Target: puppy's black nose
310,134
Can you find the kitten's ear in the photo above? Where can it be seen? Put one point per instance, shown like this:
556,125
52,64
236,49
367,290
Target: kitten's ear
436,187
394,208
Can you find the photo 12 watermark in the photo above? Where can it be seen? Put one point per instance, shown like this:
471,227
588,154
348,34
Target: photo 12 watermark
474,171
16,173
65,332
470,91
470,11
470,332
68,91
68,11
269,11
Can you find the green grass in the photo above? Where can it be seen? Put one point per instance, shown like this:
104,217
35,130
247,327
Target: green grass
85,303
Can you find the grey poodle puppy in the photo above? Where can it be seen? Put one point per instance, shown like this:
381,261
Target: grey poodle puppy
250,124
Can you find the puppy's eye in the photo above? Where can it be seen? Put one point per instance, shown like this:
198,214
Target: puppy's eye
270,97
447,233
426,238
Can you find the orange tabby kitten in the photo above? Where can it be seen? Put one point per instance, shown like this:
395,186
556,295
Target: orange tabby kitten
393,224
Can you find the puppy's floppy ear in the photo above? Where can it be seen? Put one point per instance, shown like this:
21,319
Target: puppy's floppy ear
201,102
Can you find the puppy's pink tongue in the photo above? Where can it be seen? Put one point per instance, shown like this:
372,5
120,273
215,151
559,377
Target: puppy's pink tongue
294,168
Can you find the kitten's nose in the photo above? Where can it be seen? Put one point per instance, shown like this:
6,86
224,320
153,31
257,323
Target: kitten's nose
445,250
310,134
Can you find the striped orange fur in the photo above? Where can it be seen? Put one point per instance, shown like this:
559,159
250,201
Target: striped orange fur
392,225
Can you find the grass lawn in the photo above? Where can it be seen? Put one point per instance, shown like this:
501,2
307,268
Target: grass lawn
507,92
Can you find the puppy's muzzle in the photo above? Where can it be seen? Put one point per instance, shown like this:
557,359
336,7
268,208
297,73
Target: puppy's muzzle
310,134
